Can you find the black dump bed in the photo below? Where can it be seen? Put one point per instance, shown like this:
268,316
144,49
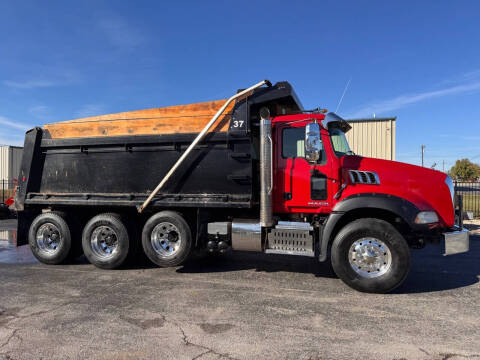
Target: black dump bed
121,171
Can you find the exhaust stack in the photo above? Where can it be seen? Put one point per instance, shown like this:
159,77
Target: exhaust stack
266,168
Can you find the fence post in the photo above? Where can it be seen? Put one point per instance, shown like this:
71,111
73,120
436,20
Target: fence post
455,184
460,206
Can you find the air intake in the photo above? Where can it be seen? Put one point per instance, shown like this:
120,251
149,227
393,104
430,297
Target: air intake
364,177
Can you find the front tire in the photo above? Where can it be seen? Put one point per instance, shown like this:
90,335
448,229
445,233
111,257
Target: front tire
167,239
370,255
106,241
50,239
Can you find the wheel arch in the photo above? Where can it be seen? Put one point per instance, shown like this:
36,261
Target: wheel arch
397,211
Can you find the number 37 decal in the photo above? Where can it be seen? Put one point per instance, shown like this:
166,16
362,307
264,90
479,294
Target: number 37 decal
238,123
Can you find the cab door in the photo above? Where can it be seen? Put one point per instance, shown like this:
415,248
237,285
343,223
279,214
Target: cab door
300,186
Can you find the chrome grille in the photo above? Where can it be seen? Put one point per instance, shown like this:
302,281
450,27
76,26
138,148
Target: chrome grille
364,177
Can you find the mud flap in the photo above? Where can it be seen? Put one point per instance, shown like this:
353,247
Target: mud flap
24,221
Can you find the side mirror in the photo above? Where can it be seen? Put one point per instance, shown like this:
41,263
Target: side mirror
313,142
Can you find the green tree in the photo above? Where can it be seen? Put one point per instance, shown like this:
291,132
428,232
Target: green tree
465,170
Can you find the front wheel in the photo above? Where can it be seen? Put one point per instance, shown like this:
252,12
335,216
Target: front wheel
370,255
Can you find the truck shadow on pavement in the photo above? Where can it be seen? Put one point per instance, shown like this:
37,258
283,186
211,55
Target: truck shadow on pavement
430,271
239,260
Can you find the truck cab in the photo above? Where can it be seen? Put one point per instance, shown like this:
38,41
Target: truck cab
368,211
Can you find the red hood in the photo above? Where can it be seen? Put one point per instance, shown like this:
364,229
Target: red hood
425,188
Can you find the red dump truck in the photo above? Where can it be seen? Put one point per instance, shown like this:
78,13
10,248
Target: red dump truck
256,172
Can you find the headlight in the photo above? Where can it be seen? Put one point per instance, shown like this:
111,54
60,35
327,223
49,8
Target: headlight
449,182
426,217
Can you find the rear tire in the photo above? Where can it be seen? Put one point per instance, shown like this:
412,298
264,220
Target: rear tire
50,239
370,255
167,239
105,241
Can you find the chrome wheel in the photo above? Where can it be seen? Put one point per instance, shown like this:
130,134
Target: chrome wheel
166,239
104,242
370,257
48,238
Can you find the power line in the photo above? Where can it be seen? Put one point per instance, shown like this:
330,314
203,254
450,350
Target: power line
423,152
344,91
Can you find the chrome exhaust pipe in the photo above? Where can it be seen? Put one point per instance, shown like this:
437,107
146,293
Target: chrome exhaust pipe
266,168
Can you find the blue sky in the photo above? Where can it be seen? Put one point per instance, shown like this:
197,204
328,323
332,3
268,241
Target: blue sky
417,60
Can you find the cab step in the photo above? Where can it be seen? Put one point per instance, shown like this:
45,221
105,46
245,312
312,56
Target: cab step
291,238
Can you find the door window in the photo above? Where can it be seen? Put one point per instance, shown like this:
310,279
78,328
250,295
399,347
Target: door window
293,142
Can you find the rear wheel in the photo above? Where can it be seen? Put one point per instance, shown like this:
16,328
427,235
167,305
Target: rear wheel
105,241
167,239
370,255
50,239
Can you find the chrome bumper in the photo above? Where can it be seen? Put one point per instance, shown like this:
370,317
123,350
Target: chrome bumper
456,241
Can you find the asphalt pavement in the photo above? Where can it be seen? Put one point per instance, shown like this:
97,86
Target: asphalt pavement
239,306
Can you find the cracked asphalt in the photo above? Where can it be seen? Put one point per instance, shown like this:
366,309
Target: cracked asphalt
239,306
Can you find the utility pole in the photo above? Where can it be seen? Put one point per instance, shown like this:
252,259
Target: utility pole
443,165
423,152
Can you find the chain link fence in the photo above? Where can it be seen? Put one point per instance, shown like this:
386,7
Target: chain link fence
7,190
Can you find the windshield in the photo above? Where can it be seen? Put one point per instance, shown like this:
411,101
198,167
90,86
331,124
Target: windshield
339,142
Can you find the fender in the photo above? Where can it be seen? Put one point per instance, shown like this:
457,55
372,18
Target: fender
401,207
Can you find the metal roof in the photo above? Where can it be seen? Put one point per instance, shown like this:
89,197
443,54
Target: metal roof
394,118
11,146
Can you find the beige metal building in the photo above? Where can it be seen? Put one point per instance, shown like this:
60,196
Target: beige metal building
373,137
10,158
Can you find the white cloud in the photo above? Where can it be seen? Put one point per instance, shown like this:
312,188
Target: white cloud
29,84
90,110
11,142
48,77
120,33
401,101
13,124
459,137
40,112
13,137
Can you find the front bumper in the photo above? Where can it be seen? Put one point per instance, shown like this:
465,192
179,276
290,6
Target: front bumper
457,240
